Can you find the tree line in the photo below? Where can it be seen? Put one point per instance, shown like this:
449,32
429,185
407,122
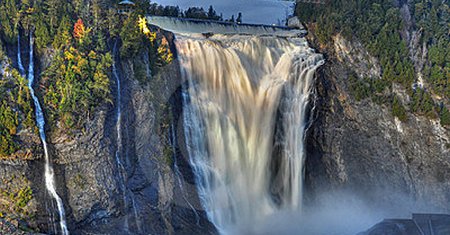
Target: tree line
380,25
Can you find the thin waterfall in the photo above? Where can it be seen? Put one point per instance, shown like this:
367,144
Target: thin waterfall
240,88
19,57
119,163
40,121
178,175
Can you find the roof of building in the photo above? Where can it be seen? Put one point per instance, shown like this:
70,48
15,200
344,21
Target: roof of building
126,2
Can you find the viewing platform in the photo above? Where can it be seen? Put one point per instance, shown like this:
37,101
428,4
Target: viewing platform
419,224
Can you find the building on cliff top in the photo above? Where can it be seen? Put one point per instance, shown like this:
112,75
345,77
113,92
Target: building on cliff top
126,7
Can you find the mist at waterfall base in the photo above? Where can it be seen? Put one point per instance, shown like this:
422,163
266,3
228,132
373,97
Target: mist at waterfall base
253,11
245,111
245,103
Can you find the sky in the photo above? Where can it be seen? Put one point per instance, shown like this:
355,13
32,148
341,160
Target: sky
253,11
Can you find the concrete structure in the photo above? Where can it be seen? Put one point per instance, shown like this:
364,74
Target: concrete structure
313,1
294,22
420,224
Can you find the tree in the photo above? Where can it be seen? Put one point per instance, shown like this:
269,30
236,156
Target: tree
445,116
398,110
239,18
211,12
62,36
79,30
231,19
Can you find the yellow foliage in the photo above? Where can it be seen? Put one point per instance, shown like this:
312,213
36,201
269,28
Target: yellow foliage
92,55
68,55
142,22
164,52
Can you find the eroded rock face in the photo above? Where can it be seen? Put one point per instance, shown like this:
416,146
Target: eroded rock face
360,148
149,196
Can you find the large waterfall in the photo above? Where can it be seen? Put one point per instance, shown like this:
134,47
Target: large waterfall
244,115
49,174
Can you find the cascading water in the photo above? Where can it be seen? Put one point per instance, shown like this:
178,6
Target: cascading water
49,174
190,26
119,163
19,57
244,117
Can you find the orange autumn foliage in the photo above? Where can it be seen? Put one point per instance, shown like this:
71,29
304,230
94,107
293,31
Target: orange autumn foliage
79,30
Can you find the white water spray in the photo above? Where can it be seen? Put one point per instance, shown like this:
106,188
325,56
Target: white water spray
49,174
245,109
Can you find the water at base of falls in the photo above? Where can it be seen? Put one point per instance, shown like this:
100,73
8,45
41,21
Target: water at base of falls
244,116
49,174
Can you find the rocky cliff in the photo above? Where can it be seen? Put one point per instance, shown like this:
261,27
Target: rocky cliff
152,197
147,188
358,148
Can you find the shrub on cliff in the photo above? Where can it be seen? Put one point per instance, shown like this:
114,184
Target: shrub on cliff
445,116
398,110
15,109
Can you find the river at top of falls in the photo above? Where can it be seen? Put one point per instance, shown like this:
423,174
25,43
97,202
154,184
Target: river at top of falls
49,174
245,109
196,26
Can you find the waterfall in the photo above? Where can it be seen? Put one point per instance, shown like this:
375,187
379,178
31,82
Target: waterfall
244,118
120,165
190,26
40,122
19,57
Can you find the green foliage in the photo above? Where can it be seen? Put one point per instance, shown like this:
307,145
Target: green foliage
77,78
444,115
23,196
133,41
398,110
359,89
15,111
15,197
379,25
42,34
9,19
422,103
368,88
77,82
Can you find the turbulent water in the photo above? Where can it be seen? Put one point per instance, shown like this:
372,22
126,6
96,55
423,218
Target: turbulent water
190,26
244,116
49,174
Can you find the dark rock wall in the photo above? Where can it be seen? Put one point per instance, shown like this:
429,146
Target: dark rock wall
154,194
154,201
359,148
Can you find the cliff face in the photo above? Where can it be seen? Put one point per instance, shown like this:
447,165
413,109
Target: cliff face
145,186
147,195
361,149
